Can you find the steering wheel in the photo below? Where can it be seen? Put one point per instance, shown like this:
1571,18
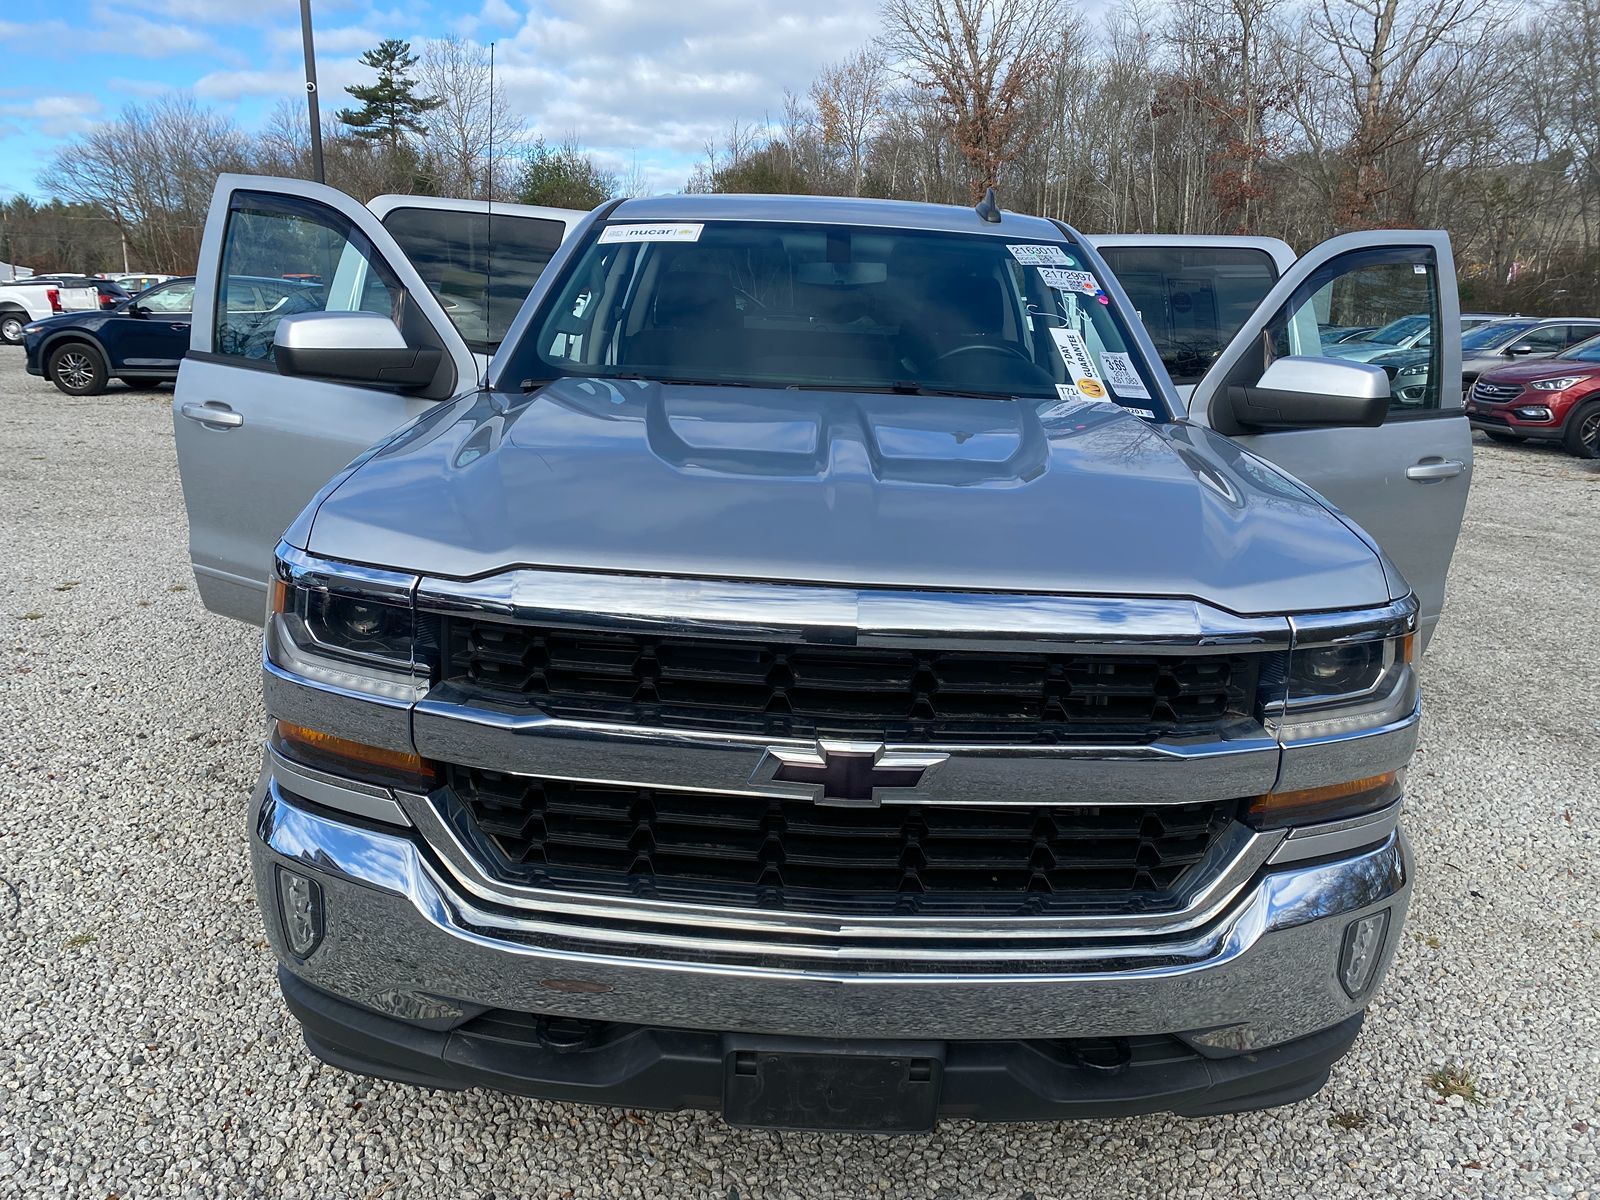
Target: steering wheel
985,348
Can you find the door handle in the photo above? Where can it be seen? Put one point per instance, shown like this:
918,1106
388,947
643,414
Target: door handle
1431,469
212,414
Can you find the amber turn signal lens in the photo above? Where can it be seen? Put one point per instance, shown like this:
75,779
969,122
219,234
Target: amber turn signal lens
1329,803
357,757
277,597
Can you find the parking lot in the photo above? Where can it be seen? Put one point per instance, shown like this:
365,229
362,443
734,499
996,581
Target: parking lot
146,1052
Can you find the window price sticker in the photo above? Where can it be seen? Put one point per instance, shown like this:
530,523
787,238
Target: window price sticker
1121,375
1039,256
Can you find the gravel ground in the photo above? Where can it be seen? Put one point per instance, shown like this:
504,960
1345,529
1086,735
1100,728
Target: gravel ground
145,1050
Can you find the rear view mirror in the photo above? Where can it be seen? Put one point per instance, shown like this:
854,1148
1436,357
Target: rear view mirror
1308,393
352,347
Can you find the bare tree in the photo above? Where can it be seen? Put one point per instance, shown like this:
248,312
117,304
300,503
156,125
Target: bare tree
850,97
979,59
152,170
471,127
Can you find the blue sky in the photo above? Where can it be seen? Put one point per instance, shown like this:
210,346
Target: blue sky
643,82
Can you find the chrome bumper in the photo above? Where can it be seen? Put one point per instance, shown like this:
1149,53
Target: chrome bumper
403,938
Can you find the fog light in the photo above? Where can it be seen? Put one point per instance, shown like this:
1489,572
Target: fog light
1533,412
300,910
1362,951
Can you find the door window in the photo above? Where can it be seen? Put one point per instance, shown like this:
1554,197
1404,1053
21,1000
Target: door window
481,286
1546,339
282,256
1362,287
174,298
1192,300
1580,333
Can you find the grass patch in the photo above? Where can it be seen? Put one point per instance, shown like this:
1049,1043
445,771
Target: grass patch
79,940
1432,942
66,585
1453,1080
177,587
1349,1119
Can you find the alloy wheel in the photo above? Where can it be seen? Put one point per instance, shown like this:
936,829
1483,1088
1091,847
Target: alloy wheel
74,369
1589,430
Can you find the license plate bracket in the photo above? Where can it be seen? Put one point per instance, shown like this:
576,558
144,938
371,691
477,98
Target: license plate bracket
833,1087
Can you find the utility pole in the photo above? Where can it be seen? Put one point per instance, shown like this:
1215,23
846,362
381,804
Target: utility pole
311,91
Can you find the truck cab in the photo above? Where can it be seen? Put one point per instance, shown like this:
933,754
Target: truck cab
814,662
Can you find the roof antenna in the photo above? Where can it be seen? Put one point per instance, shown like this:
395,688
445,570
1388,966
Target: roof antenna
988,208
488,228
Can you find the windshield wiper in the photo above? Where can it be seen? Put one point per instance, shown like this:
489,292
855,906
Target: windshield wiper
903,387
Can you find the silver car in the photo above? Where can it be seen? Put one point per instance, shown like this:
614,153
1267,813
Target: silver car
820,668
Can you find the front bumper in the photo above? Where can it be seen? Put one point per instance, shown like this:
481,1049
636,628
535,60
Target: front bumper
406,951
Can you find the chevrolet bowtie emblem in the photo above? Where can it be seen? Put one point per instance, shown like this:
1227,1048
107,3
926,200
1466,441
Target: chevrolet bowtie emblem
851,774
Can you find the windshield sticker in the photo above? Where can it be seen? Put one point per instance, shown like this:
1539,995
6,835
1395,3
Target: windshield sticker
1040,256
650,233
1120,374
1080,363
1091,388
1146,413
1065,391
1070,281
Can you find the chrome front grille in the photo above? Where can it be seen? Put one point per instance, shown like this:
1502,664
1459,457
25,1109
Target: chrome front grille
783,689
1495,393
794,855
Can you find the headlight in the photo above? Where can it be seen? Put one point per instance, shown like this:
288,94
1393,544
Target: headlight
1347,675
1560,384
347,627
34,328
1418,369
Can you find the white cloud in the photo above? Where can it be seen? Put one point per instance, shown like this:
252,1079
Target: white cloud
237,85
54,116
659,80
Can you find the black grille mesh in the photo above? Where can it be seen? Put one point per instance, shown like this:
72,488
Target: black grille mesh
796,854
787,689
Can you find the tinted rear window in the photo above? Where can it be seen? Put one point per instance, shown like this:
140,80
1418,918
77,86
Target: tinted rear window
450,252
1192,299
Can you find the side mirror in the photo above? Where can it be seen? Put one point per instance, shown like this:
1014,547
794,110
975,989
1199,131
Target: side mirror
1300,392
352,347
136,309
1520,349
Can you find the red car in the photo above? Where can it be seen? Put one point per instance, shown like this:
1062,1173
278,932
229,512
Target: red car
1553,399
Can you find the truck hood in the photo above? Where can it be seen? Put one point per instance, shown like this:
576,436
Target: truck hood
844,488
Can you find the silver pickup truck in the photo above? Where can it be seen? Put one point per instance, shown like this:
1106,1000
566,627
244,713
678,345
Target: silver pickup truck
832,662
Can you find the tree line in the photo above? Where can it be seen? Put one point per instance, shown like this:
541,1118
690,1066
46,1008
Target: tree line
1291,118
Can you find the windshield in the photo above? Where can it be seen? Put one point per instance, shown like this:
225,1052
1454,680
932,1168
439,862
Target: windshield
1489,337
1584,351
835,307
1397,331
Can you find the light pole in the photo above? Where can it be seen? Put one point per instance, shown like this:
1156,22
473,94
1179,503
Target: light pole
311,90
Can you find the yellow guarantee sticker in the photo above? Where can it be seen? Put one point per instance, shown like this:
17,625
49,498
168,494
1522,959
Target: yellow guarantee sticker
1092,388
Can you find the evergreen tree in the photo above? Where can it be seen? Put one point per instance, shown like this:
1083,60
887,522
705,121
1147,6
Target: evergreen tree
390,108
562,176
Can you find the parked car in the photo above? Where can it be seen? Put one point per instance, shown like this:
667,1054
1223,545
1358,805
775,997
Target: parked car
802,675
35,299
1332,335
137,282
1553,399
1402,334
1492,345
144,339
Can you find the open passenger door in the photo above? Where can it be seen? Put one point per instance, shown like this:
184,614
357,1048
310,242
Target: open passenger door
256,442
1403,481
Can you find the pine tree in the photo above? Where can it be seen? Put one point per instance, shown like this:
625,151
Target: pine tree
390,108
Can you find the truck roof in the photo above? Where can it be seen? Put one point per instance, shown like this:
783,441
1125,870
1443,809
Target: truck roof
833,210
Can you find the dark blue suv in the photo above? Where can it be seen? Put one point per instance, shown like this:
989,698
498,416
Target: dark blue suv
143,339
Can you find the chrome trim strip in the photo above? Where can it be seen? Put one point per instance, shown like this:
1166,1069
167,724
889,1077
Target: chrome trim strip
349,579
1230,864
530,743
1339,757
1338,837
1392,620
333,791
807,614
359,716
